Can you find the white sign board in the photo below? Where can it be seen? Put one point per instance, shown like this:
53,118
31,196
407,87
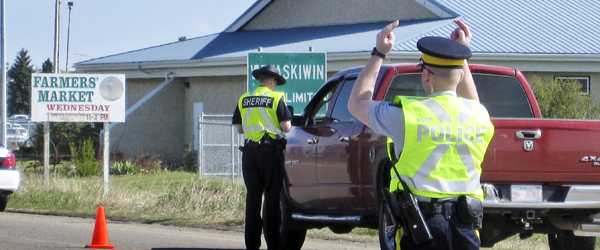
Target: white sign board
77,97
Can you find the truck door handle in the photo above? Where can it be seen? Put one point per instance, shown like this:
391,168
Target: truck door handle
313,141
344,138
529,134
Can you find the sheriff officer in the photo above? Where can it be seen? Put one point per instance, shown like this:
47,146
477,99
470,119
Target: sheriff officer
440,140
263,117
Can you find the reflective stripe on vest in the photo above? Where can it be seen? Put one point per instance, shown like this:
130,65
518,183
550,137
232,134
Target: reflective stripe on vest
256,127
443,141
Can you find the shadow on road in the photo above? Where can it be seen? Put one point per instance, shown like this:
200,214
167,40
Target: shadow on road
183,248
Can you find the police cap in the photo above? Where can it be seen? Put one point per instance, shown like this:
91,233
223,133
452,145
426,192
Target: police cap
443,52
269,70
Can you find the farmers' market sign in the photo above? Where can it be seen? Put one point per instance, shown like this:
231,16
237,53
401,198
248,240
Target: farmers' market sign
77,97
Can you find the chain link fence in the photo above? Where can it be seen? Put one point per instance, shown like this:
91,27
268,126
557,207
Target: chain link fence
218,143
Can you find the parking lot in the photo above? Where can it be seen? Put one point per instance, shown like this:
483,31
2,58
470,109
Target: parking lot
19,129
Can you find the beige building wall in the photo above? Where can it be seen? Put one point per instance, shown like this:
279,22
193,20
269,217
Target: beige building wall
318,13
218,94
157,126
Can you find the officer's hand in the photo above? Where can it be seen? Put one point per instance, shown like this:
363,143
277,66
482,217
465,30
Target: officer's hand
385,38
462,34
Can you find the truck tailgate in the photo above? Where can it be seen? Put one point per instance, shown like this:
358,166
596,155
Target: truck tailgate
564,152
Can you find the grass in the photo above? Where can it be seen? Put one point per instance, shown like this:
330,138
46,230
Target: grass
170,198
175,198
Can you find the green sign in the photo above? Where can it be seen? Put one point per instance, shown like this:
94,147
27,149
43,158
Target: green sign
304,73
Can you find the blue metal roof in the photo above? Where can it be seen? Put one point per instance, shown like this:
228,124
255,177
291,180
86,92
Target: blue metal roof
524,26
330,39
508,26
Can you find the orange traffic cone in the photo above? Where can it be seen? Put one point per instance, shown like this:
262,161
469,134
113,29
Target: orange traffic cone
100,238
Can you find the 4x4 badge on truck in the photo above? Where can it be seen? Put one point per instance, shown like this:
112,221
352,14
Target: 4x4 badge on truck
594,159
528,145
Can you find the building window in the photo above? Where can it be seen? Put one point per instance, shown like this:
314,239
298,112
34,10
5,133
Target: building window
583,80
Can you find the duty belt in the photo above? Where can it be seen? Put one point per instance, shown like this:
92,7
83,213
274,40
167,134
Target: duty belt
446,208
263,142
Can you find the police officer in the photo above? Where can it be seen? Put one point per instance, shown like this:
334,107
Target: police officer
263,117
440,140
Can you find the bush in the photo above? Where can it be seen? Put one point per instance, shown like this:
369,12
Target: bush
62,134
84,159
147,163
188,162
122,168
562,99
190,159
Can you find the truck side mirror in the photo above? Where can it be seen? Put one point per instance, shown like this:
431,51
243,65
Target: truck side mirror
297,120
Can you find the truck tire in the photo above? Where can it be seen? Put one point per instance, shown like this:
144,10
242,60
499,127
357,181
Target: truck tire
292,234
3,201
387,232
566,240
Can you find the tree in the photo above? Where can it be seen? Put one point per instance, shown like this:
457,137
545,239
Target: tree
62,134
563,99
19,90
182,38
48,66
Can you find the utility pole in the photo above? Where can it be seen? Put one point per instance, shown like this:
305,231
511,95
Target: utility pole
69,36
57,37
56,71
3,90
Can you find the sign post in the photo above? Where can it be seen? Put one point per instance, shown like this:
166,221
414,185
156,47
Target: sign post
305,73
78,98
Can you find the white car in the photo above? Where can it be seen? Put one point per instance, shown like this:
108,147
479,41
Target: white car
17,135
10,178
19,118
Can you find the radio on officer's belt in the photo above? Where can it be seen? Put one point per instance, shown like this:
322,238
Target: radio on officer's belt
415,222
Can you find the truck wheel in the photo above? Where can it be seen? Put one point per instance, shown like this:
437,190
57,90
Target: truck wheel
387,231
3,201
566,240
292,234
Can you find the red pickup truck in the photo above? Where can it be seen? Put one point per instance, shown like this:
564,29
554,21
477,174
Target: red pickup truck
539,175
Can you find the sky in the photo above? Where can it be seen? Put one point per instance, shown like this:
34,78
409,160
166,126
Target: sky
106,27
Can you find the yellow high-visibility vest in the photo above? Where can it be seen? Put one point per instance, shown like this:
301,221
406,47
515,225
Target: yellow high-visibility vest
444,145
259,113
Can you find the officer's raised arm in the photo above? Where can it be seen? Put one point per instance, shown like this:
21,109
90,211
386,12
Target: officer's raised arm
360,99
466,87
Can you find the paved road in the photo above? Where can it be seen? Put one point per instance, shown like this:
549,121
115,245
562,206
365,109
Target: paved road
32,232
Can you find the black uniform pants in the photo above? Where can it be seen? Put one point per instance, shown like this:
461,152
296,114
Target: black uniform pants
448,231
263,173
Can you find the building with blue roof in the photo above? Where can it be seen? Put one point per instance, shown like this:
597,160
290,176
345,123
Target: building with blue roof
169,85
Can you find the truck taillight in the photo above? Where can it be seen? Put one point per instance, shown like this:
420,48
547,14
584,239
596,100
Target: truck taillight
9,161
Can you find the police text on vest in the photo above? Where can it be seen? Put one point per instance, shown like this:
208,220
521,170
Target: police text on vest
451,133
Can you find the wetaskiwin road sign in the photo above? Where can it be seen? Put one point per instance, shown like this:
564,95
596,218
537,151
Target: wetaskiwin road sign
305,73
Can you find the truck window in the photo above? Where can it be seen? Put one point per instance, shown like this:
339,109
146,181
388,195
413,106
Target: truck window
405,84
503,96
340,111
317,114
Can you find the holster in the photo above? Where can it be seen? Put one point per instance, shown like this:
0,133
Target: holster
392,208
412,217
280,142
470,210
